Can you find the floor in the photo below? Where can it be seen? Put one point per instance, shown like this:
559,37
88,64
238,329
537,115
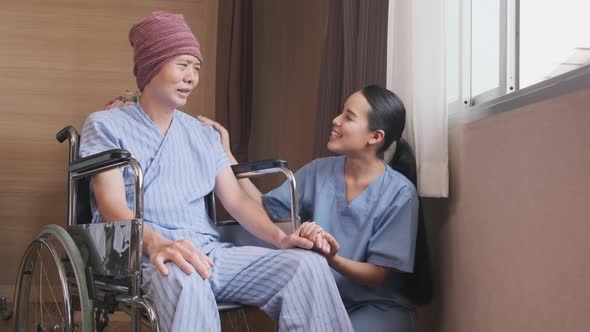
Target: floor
244,320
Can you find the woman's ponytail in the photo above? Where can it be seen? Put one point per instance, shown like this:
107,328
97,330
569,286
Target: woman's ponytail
403,161
418,286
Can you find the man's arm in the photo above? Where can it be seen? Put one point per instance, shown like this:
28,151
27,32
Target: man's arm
109,190
251,215
248,188
245,183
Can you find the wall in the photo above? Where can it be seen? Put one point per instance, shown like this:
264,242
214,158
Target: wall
511,243
59,61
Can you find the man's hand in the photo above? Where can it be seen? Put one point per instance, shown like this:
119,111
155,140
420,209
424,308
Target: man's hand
182,253
293,240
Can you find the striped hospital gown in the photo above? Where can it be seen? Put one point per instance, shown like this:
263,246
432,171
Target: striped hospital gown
293,286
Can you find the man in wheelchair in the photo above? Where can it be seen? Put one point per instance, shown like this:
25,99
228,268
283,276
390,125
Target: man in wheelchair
186,269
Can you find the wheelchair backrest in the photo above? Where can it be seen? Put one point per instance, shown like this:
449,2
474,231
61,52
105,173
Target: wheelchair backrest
83,209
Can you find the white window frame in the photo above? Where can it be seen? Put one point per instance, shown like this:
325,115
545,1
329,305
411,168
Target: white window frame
473,108
508,67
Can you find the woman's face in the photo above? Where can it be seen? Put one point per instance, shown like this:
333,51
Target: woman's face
350,129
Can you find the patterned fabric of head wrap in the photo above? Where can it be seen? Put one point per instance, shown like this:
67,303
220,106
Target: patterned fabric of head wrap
158,38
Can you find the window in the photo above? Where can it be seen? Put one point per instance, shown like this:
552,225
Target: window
554,38
495,47
485,47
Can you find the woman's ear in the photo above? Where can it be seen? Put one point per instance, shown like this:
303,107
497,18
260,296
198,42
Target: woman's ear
377,137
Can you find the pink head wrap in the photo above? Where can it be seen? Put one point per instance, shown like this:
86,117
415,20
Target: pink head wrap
158,38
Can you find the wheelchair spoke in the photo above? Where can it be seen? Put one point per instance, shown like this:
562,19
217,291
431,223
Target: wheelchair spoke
48,315
52,260
52,294
36,303
40,291
48,312
243,312
42,306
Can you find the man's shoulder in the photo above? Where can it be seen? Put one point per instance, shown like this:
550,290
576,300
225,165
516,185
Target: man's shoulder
186,119
194,125
114,115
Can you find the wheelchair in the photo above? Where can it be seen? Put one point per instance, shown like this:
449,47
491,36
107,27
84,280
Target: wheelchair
72,278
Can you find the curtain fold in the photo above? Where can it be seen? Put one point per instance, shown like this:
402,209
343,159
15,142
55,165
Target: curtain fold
417,74
354,56
233,86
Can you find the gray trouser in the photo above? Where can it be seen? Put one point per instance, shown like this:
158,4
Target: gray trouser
382,318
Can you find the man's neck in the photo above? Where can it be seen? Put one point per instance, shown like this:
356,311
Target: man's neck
160,114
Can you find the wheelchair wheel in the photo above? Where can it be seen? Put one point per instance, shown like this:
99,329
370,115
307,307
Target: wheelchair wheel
51,291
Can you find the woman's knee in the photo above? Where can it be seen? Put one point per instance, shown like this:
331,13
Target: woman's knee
382,318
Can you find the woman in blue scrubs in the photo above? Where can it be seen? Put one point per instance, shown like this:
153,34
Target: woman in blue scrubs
363,214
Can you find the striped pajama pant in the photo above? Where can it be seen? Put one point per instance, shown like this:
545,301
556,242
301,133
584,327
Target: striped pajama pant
295,287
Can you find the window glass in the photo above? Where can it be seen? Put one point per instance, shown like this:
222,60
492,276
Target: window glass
554,38
485,46
453,51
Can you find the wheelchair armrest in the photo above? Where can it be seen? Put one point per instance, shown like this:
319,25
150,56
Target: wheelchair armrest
258,166
100,160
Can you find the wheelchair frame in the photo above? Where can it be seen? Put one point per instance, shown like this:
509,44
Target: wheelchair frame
128,254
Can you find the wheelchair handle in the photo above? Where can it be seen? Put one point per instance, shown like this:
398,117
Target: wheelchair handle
257,168
67,132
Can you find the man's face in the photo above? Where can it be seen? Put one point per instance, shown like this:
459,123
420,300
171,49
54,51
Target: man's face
175,81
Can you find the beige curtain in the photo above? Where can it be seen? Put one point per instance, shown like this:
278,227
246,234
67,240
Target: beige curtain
416,72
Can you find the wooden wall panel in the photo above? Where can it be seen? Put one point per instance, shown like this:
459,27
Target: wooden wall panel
60,60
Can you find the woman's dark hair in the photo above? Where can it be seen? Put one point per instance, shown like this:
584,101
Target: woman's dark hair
389,114
418,286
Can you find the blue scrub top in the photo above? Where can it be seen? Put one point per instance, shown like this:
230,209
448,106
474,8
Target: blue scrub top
379,226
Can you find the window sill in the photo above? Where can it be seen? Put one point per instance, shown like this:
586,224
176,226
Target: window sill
551,88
